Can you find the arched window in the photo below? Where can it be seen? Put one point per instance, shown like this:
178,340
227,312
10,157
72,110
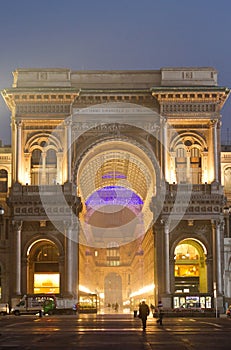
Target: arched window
36,157
181,164
43,166
36,166
51,158
46,252
195,165
51,167
188,163
3,181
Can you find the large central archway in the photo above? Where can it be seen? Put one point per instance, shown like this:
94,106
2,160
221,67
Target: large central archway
116,181
117,172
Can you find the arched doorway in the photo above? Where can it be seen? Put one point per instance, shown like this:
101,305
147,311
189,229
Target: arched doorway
113,290
116,181
190,267
43,267
190,274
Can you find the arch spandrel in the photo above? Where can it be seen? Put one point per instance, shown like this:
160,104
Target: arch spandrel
114,119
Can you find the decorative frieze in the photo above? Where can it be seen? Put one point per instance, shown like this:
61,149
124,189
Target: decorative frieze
188,108
199,204
107,126
42,108
87,99
41,201
196,201
38,210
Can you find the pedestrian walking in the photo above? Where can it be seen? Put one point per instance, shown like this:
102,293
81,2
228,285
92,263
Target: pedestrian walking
152,307
143,313
116,306
160,313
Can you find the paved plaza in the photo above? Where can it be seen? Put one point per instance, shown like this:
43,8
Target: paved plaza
113,332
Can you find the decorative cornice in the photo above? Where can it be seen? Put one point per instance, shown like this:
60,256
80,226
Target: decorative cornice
141,97
30,98
191,96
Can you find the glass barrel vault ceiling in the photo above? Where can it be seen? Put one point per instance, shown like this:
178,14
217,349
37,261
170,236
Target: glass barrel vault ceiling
116,181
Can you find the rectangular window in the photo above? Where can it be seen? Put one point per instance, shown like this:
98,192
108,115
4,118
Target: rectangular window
46,283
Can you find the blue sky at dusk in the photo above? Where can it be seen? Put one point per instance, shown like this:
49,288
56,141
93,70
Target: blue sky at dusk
121,34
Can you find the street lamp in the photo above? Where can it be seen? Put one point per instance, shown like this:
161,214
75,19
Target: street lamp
2,211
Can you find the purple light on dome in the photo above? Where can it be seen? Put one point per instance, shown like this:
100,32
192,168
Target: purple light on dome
113,175
113,195
107,194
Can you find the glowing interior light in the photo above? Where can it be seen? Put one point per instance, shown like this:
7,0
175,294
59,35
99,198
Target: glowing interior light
143,290
205,177
46,282
113,195
84,289
113,175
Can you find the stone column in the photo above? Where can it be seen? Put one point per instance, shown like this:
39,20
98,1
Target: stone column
42,176
163,140
210,277
68,124
59,175
71,251
217,263
219,260
68,239
18,232
213,128
172,168
204,160
188,167
18,160
165,150
166,247
27,158
219,151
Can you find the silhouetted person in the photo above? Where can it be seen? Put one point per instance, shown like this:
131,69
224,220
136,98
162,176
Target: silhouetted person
152,307
160,313
143,313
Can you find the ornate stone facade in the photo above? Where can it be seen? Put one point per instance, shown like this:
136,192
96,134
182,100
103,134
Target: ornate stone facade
114,185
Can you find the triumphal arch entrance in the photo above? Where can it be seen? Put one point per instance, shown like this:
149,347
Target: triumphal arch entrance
116,187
